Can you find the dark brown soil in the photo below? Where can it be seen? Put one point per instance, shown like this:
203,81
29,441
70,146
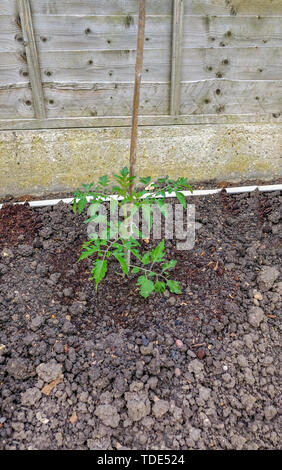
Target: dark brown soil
197,370
18,223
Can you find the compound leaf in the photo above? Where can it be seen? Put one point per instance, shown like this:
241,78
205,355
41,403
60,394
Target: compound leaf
146,286
99,271
174,287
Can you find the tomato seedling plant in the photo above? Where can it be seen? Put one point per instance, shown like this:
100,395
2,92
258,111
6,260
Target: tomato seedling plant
119,239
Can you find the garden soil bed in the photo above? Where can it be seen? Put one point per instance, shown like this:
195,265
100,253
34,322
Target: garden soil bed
111,370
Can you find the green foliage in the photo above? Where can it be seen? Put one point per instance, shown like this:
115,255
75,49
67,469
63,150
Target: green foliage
152,267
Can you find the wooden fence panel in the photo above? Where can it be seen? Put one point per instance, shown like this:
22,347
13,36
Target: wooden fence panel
233,7
232,31
62,33
16,102
99,7
242,63
103,66
109,99
231,97
227,62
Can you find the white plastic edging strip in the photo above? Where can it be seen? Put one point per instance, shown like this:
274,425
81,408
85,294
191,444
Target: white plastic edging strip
197,192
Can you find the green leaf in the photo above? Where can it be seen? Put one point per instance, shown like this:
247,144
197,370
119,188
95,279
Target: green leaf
135,270
146,258
84,255
162,207
131,178
139,194
81,204
130,243
103,180
89,250
157,253
170,264
136,253
117,246
145,180
160,286
99,271
98,218
146,286
74,206
120,257
174,286
181,198
125,171
118,189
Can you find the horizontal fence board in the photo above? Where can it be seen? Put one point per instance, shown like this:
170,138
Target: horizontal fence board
232,31
106,32
233,7
11,39
106,99
98,7
109,32
114,121
232,63
8,44
88,25
192,7
51,42
8,7
9,25
213,97
99,32
231,97
13,68
16,102
119,66
110,41
104,66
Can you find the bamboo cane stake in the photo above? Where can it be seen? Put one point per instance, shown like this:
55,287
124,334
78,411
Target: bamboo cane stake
136,98
135,111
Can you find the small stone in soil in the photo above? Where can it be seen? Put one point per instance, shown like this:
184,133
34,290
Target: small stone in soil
145,341
201,354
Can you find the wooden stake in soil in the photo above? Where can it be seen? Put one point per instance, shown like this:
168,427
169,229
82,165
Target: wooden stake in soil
136,98
135,111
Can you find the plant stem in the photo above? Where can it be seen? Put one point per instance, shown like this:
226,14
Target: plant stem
127,252
148,271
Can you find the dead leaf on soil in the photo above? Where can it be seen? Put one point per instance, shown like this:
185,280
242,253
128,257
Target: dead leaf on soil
25,197
73,418
49,387
216,266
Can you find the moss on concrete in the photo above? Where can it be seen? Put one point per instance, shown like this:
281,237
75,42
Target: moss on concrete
61,160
